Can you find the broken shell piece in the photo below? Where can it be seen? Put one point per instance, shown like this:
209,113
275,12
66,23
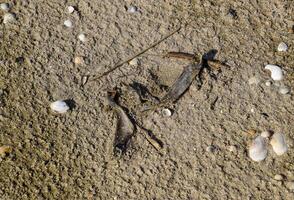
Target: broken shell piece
9,18
82,37
4,6
166,112
276,72
265,134
59,106
284,90
257,149
70,9
5,149
268,83
78,60
134,62
282,46
132,9
68,23
278,177
278,143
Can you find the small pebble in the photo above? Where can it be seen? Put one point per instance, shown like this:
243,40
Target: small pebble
253,80
134,62
9,18
290,185
284,90
4,6
68,23
166,112
59,106
132,9
265,134
78,60
70,9
282,46
252,110
82,37
268,83
278,177
232,148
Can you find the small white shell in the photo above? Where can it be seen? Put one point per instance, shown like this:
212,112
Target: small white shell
132,9
68,23
134,62
82,37
284,90
268,83
276,72
278,143
59,106
257,149
278,177
4,6
166,112
70,9
282,46
265,134
8,18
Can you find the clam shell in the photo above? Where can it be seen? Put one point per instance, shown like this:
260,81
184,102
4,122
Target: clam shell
278,143
276,72
59,106
257,149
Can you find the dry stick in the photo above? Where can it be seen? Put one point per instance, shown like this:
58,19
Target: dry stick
138,54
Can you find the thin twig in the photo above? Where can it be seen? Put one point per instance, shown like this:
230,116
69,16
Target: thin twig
138,54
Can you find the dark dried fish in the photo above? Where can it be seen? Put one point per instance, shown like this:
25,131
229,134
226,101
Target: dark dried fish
183,82
125,128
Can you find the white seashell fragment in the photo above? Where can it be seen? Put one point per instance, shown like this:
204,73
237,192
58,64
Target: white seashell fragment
278,177
9,18
284,90
276,72
265,134
134,62
257,149
4,6
82,37
166,112
59,106
268,83
282,46
70,9
210,149
68,23
132,9
278,143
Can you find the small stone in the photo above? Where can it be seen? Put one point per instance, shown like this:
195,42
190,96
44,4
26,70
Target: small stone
265,134
82,37
232,148
290,185
253,80
284,90
252,110
70,9
5,6
59,106
166,112
68,23
268,83
78,60
278,177
282,46
132,9
134,62
5,150
9,18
